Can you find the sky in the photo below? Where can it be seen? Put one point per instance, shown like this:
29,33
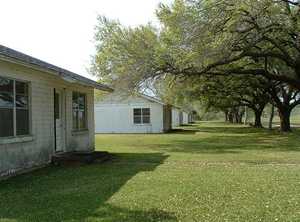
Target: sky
61,31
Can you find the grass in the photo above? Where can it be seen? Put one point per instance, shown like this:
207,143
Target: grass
208,172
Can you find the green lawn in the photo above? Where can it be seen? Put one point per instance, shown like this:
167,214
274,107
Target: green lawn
209,172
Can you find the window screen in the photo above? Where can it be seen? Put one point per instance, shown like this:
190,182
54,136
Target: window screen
79,111
141,115
14,108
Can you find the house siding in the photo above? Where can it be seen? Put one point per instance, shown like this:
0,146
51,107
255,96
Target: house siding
185,118
38,149
176,117
114,114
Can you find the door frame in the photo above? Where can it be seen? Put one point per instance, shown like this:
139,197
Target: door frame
63,118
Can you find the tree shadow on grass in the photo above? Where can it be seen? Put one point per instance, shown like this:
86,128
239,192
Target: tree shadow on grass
233,144
221,127
243,130
231,130
231,140
182,131
78,193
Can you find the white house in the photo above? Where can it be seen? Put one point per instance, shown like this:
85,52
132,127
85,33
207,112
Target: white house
44,110
180,117
177,117
119,113
185,118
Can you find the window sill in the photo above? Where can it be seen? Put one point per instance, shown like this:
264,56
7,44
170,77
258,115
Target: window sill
143,124
80,132
20,139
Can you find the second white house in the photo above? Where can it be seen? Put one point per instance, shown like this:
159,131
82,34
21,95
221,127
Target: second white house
120,113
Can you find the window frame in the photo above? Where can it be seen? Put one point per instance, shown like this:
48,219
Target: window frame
78,129
15,108
141,115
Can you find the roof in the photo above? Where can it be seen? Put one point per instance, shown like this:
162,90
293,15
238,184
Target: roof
176,107
120,95
152,99
11,55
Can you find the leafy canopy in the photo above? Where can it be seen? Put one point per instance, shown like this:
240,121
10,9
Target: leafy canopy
200,37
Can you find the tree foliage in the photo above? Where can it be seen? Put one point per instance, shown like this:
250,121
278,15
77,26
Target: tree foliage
124,56
227,53
199,37
233,37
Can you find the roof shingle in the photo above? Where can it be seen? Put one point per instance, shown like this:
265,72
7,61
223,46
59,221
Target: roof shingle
13,55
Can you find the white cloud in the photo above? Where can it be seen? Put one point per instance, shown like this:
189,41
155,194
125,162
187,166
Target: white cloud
61,31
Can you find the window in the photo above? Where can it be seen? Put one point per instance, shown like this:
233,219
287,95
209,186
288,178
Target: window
79,111
14,108
141,116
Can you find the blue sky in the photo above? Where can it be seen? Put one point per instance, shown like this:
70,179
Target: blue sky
61,31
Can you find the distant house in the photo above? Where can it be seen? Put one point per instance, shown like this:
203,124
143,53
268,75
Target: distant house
192,116
121,113
180,117
185,118
177,117
44,110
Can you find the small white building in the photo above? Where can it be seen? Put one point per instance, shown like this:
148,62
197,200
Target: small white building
185,118
177,117
180,117
44,110
119,113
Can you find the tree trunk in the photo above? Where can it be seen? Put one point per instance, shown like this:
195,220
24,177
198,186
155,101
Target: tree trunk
258,114
246,115
226,116
237,117
230,117
271,117
285,124
240,117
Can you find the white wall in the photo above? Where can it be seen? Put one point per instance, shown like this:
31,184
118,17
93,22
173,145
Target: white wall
176,117
115,115
185,118
39,146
